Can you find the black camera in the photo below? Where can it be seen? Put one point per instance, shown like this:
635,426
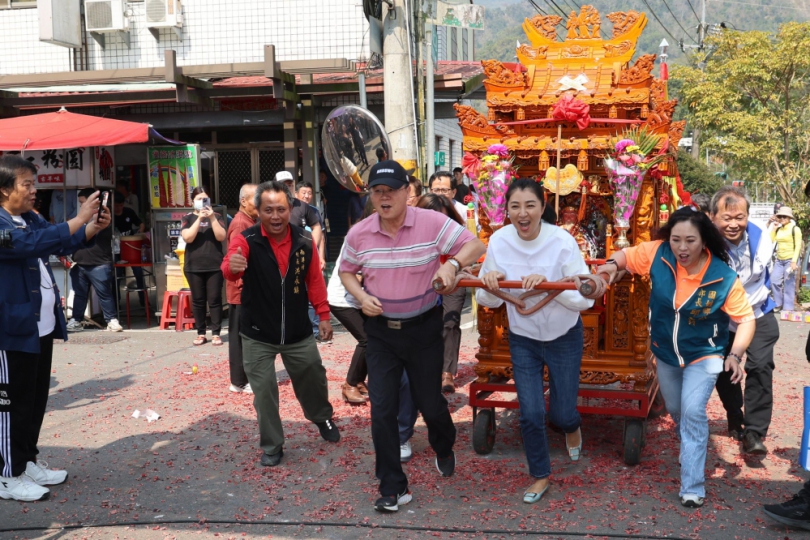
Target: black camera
5,239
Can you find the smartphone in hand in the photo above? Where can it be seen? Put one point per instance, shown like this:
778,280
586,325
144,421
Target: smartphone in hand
105,196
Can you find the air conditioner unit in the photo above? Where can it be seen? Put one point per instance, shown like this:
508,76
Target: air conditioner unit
164,14
104,16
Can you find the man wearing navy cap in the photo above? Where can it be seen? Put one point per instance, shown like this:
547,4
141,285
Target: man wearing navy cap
397,250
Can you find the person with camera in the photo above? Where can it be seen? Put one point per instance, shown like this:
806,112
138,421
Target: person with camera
30,319
94,268
203,230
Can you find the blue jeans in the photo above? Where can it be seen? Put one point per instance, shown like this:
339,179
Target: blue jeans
563,357
408,412
686,391
783,286
101,278
314,319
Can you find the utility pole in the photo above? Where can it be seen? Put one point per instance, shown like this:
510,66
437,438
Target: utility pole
696,130
418,39
430,116
400,119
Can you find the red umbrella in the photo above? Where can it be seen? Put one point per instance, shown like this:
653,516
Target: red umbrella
63,129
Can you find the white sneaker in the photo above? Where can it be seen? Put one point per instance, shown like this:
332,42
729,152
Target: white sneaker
22,488
241,389
690,500
405,452
114,326
40,474
74,326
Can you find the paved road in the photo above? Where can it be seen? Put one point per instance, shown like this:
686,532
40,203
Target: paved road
195,469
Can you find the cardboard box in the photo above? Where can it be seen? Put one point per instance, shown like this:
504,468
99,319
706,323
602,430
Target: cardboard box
796,316
784,316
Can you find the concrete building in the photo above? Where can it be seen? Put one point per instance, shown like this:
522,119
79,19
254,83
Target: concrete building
249,80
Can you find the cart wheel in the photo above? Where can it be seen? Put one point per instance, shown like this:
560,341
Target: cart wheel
633,440
658,407
484,431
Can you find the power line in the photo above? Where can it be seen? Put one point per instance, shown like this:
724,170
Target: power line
646,3
535,6
559,9
685,31
693,10
569,5
796,8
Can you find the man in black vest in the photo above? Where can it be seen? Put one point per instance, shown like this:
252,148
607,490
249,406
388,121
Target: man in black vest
274,259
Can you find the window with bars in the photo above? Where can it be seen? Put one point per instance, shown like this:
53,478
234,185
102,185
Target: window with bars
233,170
270,162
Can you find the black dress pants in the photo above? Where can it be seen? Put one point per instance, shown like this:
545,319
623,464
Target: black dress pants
24,383
353,319
419,350
206,288
237,369
758,368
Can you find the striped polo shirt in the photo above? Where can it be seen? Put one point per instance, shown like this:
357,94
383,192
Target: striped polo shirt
399,271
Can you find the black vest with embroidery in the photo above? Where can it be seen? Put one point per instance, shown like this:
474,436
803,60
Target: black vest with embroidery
274,307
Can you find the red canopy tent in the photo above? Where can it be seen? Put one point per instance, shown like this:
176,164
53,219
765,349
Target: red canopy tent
63,129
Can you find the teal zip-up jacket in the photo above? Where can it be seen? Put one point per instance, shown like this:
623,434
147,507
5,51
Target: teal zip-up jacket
697,329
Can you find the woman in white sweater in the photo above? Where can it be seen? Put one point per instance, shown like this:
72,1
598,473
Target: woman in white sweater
532,250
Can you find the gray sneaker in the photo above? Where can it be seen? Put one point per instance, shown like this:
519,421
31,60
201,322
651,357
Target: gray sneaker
74,326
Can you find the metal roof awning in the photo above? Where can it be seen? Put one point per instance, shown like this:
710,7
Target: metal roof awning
453,81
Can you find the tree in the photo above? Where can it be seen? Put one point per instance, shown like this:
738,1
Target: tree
752,102
696,176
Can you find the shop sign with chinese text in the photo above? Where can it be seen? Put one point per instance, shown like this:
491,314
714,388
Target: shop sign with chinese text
72,167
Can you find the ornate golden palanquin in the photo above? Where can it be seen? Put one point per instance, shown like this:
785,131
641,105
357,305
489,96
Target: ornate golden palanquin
599,72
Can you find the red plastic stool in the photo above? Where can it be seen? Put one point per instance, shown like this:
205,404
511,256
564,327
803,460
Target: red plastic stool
183,320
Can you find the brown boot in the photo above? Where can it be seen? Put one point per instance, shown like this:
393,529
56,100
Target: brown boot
363,389
448,387
352,395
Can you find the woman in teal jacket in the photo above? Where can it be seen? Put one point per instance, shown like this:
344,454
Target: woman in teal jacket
693,295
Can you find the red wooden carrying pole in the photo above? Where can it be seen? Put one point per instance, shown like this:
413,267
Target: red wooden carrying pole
546,285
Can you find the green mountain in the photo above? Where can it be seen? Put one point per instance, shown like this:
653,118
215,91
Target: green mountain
504,18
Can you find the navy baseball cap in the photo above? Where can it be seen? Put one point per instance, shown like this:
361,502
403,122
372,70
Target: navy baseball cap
388,173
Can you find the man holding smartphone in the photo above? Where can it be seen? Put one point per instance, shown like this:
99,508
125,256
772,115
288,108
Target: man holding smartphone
94,267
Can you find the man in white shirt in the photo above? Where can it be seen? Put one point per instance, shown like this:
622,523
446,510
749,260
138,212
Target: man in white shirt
750,252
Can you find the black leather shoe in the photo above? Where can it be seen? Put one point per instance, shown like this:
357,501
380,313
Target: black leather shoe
752,444
329,431
269,460
736,434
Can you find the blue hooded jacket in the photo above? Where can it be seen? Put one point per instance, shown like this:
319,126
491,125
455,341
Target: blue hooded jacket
20,295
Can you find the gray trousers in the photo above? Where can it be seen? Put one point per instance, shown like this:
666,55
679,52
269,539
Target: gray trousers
452,304
303,364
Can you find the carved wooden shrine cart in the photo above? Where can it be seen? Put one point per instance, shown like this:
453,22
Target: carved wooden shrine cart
618,375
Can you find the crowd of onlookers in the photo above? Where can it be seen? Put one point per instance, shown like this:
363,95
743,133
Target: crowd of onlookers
718,279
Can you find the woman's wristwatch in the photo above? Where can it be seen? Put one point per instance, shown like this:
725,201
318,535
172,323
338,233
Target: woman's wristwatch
613,262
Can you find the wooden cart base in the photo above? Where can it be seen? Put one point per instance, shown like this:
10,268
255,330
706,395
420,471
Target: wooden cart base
648,404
